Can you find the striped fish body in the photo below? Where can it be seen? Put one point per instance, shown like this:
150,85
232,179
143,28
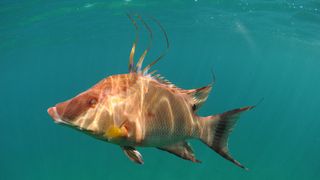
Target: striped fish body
157,114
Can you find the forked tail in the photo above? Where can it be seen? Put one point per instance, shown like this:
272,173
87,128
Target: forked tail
216,129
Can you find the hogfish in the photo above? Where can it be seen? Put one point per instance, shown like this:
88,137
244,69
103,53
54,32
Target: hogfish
142,109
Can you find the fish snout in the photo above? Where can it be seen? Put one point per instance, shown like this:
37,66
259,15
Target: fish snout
52,111
59,112
61,108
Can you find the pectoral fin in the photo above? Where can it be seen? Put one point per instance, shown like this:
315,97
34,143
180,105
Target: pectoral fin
116,132
182,150
132,154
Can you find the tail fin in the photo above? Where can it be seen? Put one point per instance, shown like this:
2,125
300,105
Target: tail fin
216,130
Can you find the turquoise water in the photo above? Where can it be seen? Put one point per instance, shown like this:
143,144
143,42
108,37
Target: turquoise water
51,51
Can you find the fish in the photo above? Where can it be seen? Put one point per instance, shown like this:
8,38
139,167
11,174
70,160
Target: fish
142,109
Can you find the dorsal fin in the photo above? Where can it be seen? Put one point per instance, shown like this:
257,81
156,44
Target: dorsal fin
199,96
133,49
138,68
163,80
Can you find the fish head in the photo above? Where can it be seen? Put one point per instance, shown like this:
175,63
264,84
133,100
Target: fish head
81,111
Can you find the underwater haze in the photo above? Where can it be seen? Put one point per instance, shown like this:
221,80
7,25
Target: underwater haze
261,49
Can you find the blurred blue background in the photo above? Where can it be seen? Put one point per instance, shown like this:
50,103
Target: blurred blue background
50,51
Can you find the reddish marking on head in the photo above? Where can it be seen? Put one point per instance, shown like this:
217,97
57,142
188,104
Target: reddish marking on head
71,109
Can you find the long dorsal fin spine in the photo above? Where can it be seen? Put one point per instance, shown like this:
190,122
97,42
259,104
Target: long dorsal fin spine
132,52
142,57
145,70
139,64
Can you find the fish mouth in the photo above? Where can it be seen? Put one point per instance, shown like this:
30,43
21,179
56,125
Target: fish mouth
55,116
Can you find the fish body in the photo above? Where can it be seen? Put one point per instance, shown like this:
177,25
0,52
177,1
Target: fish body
139,109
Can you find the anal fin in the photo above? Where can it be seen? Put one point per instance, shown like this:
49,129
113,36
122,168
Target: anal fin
133,154
182,150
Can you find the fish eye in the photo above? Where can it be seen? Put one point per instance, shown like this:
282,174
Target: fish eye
92,101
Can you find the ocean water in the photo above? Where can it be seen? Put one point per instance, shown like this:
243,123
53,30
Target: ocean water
51,51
